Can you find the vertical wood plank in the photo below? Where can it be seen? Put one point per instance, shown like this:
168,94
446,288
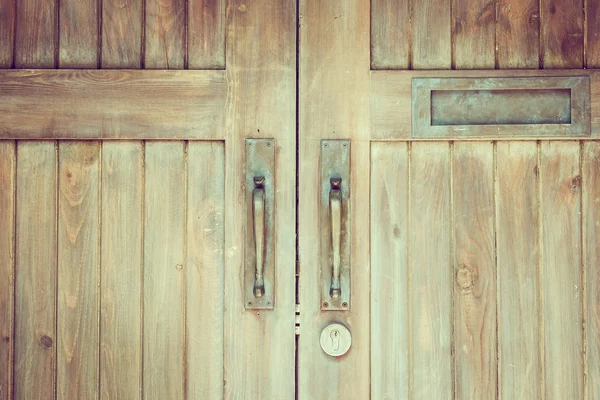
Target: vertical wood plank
591,230
475,272
389,274
35,34
206,34
261,70
592,14
562,33
205,269
474,34
517,34
518,283
390,34
78,34
430,271
7,30
36,271
334,80
7,266
164,233
560,186
121,33
432,34
78,262
120,317
165,34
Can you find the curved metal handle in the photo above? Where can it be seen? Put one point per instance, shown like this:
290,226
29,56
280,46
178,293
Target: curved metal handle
258,211
335,209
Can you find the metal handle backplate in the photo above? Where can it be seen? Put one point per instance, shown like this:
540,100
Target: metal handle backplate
335,225
259,252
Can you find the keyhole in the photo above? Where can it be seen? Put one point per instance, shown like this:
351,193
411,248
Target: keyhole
335,340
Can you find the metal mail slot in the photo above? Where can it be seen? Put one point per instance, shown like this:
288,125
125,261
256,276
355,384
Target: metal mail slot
492,107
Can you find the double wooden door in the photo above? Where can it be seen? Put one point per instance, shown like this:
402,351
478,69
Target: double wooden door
130,219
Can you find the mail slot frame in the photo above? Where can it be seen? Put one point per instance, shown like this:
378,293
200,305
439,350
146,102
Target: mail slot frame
422,89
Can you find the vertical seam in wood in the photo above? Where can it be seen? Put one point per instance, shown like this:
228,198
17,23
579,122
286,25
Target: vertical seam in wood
98,267
583,270
11,367
142,199
370,270
371,65
56,255
99,45
409,303
143,56
540,310
453,269
186,30
223,273
56,37
498,297
184,260
14,58
453,37
541,46
409,61
585,36
496,61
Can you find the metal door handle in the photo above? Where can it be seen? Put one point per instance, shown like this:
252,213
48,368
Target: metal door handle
335,209
258,210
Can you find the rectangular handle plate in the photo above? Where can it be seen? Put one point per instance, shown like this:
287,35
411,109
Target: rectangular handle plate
259,231
334,225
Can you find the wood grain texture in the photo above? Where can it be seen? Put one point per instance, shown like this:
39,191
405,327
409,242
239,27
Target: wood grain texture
121,270
517,222
261,71
121,33
165,34
7,32
389,273
430,304
205,269
517,34
78,270
560,208
36,271
474,34
78,34
112,104
334,91
206,34
432,34
562,33
164,263
475,271
591,253
592,15
390,34
7,265
35,34
391,96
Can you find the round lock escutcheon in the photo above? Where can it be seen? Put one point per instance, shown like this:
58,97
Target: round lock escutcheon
336,340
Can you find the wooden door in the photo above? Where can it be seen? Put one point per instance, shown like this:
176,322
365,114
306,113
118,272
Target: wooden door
473,245
121,220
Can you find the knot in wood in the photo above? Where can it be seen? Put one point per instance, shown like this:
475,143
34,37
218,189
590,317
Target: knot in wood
46,341
464,277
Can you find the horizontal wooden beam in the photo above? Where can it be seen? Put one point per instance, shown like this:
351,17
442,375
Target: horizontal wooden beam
112,104
392,104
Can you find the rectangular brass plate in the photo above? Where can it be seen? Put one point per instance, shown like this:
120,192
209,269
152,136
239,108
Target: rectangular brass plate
493,107
260,162
334,163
